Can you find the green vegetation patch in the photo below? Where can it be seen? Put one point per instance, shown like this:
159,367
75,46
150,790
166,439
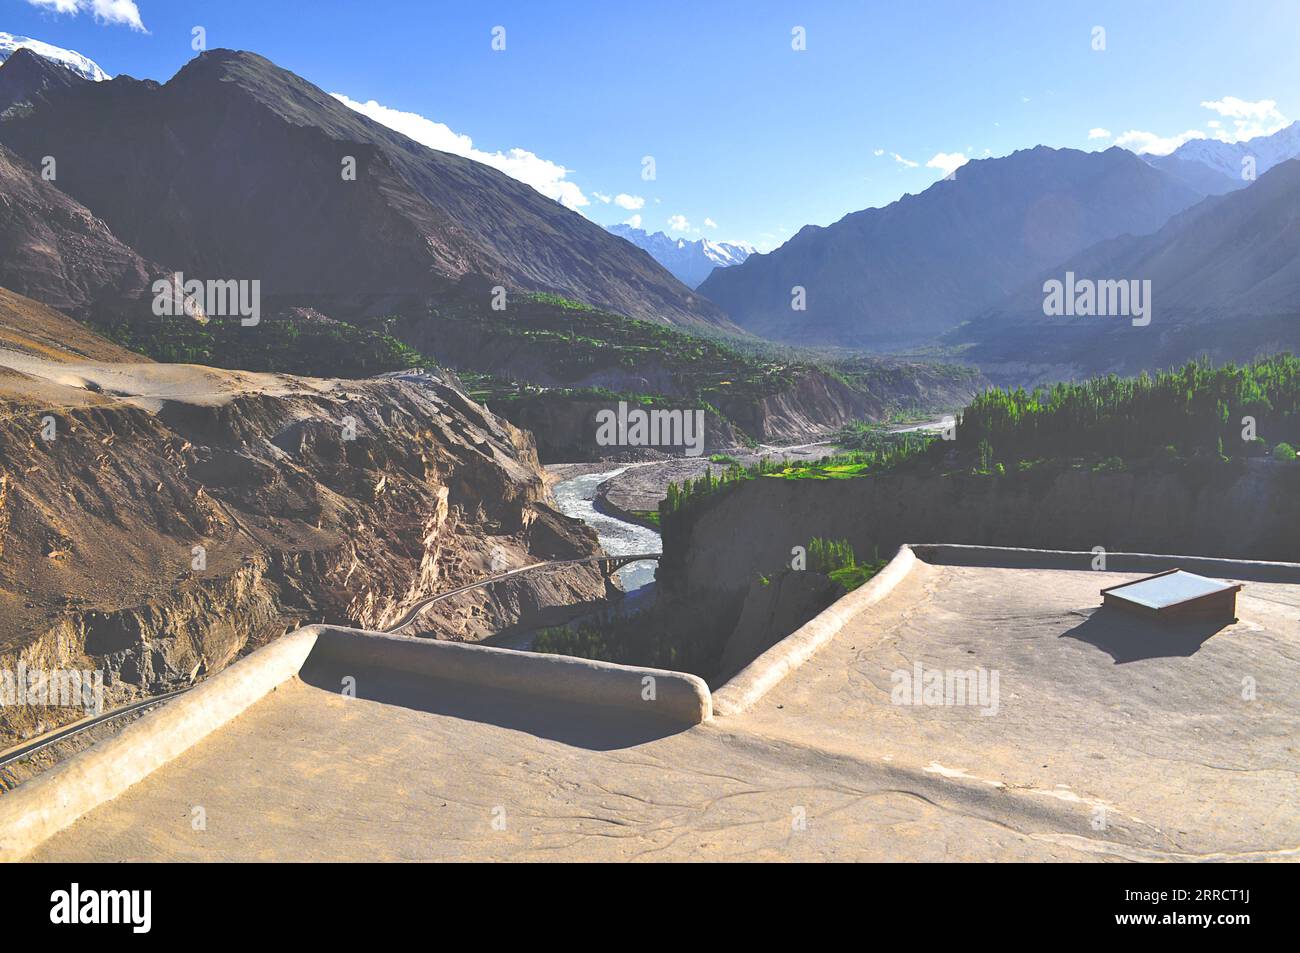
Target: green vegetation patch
312,347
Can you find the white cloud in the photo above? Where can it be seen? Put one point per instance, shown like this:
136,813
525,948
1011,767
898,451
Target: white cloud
1148,142
634,221
602,197
879,152
907,162
111,12
1099,133
1249,119
678,223
1261,118
629,202
947,162
545,176
710,223
1234,108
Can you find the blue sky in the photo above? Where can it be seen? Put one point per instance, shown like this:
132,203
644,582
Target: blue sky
751,139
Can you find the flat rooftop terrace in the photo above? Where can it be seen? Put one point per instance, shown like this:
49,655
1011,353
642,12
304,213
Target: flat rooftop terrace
1108,738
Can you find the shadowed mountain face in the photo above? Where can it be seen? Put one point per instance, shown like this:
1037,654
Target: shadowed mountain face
237,169
54,250
24,76
1225,282
920,266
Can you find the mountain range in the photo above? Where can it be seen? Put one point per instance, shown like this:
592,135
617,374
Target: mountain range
689,261
895,276
1225,283
238,169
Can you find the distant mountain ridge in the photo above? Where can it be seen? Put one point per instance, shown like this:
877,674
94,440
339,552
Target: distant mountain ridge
1225,283
238,169
690,261
1215,167
905,273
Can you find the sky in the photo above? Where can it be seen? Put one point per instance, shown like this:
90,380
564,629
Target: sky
738,120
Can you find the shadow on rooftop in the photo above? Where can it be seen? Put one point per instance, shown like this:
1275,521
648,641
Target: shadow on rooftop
1131,638
583,726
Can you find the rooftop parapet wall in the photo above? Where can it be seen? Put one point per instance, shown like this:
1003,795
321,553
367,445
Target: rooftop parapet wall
36,811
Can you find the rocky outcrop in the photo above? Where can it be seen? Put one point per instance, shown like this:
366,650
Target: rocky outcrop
166,529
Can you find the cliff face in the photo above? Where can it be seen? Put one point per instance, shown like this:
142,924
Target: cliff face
164,530
717,549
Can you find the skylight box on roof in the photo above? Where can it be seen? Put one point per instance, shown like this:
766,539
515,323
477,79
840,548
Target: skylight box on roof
1176,595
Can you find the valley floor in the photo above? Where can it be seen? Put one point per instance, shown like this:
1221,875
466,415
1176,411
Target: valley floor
1109,742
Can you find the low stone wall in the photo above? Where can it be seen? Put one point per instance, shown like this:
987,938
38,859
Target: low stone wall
1255,570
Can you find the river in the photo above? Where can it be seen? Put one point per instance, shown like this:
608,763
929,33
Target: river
575,497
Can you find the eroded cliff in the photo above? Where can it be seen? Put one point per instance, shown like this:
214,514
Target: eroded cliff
156,521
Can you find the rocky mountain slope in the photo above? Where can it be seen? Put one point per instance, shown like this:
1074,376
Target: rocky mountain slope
238,169
24,76
54,249
689,261
1225,282
179,515
918,267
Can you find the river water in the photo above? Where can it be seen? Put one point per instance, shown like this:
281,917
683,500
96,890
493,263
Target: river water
574,497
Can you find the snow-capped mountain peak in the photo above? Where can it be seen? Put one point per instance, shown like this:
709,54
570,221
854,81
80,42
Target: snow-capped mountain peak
1268,151
689,261
1214,167
69,59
